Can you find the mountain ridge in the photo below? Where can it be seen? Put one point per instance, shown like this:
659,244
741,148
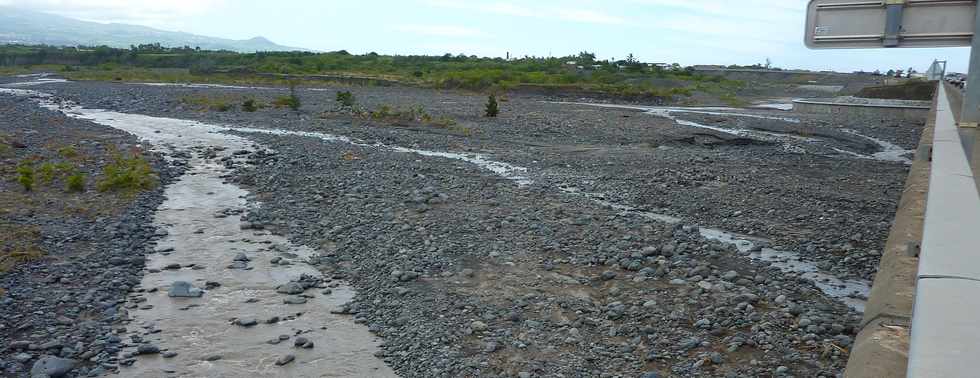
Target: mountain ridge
18,26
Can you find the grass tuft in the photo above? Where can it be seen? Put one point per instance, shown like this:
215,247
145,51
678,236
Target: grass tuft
75,183
25,176
346,99
127,174
250,105
68,152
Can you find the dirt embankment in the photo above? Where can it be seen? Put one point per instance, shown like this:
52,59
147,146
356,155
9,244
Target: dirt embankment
918,90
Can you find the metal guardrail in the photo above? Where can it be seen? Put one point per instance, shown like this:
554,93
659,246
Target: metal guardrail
945,332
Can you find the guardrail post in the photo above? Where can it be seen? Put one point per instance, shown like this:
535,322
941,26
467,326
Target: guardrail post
893,22
970,114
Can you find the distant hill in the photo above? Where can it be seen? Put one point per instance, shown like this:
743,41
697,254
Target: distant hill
35,28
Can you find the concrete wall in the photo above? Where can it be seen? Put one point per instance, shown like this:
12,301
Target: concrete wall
862,111
881,348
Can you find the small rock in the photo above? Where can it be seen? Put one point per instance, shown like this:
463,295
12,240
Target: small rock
213,357
291,288
294,300
184,289
478,326
285,360
302,342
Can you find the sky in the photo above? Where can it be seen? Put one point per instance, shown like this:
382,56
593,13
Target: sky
662,31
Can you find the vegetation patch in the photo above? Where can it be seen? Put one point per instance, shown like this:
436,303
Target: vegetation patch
47,172
920,90
581,72
291,102
251,105
25,176
205,103
18,244
346,99
68,152
31,175
491,109
75,183
129,174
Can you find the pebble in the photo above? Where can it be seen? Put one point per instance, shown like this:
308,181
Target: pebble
286,359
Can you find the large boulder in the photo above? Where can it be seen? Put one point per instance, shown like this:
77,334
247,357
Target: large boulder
51,366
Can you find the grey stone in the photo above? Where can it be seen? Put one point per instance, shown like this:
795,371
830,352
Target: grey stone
291,288
147,349
184,289
302,342
294,300
23,357
285,360
52,366
478,326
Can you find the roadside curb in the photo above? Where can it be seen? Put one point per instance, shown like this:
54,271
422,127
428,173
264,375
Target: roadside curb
882,344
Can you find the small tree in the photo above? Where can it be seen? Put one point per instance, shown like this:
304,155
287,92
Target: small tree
249,105
294,102
492,110
291,101
25,176
346,99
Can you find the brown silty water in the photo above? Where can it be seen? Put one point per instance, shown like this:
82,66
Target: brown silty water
201,217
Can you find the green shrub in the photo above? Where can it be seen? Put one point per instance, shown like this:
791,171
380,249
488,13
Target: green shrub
222,106
383,112
346,99
76,183
492,110
249,105
130,174
287,102
25,176
45,173
443,122
68,152
292,101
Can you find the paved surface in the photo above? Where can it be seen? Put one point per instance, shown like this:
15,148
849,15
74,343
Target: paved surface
944,333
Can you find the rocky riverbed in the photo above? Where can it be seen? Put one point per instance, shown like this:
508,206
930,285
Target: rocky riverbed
558,238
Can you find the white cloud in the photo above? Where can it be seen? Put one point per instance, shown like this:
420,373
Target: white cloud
167,14
588,16
756,8
441,30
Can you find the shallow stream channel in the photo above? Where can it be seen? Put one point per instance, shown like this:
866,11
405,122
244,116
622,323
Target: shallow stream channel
219,298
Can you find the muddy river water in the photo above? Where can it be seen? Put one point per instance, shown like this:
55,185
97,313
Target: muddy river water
203,235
